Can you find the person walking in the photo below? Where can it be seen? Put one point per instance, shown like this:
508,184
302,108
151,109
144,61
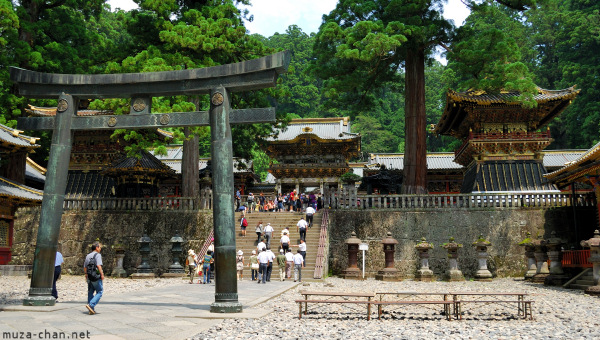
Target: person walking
239,265
298,264
263,262
301,228
289,263
285,242
310,211
259,231
253,266
208,259
250,201
58,261
191,263
302,249
238,199
94,282
268,231
261,245
281,264
270,264
261,202
243,225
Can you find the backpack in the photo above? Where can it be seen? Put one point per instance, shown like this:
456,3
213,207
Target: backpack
92,269
244,222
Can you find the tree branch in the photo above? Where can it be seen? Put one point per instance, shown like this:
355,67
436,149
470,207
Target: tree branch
58,3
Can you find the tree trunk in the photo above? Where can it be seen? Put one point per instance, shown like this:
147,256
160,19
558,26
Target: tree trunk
415,153
189,165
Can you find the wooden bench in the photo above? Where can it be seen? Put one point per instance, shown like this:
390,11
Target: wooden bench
523,307
445,303
332,295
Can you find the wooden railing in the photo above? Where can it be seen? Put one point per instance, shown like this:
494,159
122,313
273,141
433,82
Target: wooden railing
576,258
159,203
347,198
323,243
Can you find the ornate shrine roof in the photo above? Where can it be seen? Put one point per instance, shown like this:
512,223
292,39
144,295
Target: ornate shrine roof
467,110
12,138
322,128
175,155
587,164
146,164
19,193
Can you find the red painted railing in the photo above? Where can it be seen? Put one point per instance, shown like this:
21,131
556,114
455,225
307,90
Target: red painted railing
576,258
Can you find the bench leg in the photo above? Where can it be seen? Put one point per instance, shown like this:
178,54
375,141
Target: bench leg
379,311
368,311
300,311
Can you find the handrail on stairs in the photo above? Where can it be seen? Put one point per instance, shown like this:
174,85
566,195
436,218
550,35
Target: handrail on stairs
321,258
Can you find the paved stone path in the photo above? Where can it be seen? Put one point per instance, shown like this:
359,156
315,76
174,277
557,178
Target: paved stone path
177,311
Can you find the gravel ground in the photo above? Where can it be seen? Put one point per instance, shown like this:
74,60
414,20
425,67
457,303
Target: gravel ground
558,314
13,289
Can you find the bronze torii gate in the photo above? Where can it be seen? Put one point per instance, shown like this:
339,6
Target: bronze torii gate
217,81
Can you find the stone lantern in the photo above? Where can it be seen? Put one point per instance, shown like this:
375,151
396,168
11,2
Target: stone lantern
481,245
175,269
557,276
454,274
118,271
529,255
352,272
389,273
541,259
424,274
594,245
144,270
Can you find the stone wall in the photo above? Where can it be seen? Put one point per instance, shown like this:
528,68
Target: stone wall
79,229
504,228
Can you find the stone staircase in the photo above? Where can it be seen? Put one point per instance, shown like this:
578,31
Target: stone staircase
279,220
584,281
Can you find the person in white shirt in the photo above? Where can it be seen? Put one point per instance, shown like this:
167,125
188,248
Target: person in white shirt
289,263
261,245
270,264
263,262
310,211
301,228
268,230
302,249
298,264
285,242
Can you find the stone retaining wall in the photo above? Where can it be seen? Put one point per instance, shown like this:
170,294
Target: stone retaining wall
79,229
504,228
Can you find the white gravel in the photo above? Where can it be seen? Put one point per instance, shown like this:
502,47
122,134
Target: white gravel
558,314
13,289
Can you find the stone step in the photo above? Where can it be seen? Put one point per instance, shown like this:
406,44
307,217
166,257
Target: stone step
578,286
585,282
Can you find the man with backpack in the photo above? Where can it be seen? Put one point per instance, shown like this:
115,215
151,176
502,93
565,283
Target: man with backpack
92,266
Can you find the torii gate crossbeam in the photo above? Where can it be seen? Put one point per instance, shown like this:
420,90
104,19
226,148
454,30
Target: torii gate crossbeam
218,82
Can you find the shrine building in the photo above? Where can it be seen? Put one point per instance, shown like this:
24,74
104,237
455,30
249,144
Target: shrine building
502,141
312,153
15,167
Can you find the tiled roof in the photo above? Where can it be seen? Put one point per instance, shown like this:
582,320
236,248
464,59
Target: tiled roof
483,98
147,161
20,192
435,160
588,159
88,185
51,111
34,172
499,176
324,128
558,158
14,137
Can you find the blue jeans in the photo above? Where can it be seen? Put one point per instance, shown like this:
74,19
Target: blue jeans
97,287
206,273
262,270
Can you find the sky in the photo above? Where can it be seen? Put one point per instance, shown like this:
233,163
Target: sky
272,16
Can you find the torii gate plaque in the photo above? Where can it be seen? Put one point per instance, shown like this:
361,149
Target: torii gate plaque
216,81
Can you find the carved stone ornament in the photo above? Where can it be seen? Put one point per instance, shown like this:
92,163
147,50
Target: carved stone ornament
112,121
139,104
62,105
164,119
217,99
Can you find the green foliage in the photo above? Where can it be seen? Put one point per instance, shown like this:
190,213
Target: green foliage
350,177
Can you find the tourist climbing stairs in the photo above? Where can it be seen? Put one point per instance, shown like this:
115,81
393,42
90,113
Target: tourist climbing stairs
279,220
